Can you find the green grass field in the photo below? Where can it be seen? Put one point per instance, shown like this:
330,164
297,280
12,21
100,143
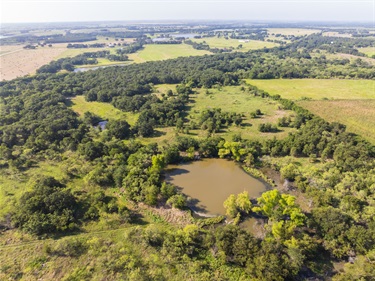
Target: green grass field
317,89
357,115
164,52
232,99
229,99
221,43
368,51
105,110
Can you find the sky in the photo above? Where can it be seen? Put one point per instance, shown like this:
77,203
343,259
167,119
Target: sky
122,10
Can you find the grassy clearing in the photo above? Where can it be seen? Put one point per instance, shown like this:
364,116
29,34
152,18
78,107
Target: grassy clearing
229,99
368,51
14,183
232,99
318,89
221,43
105,110
164,52
357,115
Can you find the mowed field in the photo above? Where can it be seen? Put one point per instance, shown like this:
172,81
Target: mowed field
104,110
317,89
16,61
357,115
164,52
215,42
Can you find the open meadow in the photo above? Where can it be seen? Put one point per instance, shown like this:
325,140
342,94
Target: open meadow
317,89
368,51
104,110
229,99
357,115
164,52
221,43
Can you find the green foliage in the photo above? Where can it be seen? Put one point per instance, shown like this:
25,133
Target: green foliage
234,205
282,212
47,208
177,201
289,172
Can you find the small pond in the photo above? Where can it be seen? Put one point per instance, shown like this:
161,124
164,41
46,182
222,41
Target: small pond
209,183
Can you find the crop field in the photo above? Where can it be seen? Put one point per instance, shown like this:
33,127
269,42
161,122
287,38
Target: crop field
105,110
368,51
215,42
317,89
292,31
357,115
16,61
164,52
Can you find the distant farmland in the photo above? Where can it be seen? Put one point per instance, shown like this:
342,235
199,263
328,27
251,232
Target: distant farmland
222,43
292,31
317,89
164,52
357,115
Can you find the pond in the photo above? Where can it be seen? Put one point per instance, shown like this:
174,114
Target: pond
209,183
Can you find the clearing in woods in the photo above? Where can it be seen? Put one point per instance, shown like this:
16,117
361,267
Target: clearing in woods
164,52
229,99
357,115
104,110
368,51
317,89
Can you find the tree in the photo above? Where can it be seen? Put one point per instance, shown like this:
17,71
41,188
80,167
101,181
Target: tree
119,129
243,202
289,172
230,206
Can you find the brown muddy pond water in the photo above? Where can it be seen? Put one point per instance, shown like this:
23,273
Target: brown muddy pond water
210,181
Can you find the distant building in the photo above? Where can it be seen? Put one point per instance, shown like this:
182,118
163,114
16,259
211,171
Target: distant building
244,41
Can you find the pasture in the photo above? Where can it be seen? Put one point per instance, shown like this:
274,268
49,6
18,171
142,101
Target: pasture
164,52
357,115
105,110
229,99
232,99
317,89
368,51
221,43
